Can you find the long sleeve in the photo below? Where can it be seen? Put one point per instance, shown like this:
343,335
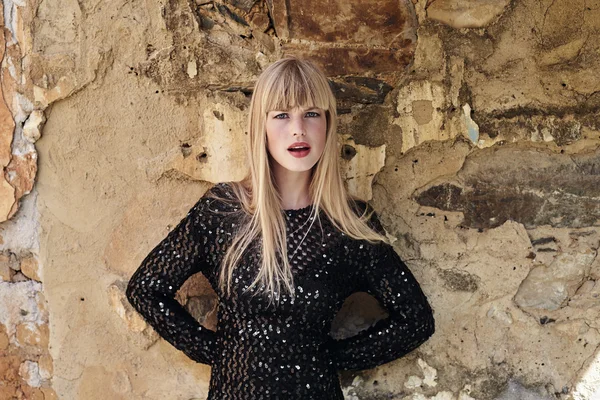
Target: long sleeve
191,247
386,277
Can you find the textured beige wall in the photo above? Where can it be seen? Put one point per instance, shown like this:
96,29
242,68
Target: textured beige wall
473,126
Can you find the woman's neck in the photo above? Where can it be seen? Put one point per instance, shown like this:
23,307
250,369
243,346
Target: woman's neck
293,188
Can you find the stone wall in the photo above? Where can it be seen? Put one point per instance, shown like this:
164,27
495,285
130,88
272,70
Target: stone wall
473,126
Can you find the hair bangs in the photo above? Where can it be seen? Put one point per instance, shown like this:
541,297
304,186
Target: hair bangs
296,87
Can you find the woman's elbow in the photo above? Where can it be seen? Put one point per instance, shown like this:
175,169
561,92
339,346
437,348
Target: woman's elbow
425,321
429,323
431,326
132,292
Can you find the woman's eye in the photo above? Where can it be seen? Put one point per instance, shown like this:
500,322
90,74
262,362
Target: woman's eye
280,116
312,114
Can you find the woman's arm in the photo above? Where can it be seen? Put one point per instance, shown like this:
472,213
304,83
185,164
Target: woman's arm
191,247
410,322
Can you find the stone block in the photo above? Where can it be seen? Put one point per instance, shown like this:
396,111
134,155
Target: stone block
46,366
33,126
420,109
352,60
466,13
30,268
385,23
6,273
119,303
4,341
49,393
33,335
549,287
537,187
29,372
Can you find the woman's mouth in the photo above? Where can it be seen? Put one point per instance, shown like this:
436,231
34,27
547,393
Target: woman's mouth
299,150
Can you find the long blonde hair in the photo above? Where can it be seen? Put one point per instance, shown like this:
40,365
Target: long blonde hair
289,82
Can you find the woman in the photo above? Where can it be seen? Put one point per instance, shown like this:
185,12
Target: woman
283,249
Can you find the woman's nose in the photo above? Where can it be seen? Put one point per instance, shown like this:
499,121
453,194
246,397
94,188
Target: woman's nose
298,126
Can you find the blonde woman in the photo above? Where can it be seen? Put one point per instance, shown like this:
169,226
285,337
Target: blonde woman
283,249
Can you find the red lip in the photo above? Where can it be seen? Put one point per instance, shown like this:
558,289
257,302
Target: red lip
300,144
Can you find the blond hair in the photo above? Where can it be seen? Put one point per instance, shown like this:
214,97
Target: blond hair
288,83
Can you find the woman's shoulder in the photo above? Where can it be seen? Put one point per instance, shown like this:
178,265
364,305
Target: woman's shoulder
221,190
221,196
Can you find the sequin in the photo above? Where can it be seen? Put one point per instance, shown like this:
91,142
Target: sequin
282,351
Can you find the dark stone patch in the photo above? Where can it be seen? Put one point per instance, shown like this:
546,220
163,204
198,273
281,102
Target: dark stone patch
226,12
178,18
563,123
459,281
564,130
587,164
443,196
206,23
359,304
245,5
535,187
348,152
384,23
369,126
546,250
357,89
200,306
202,157
191,25
232,88
342,60
466,44
545,320
584,109
219,115
186,149
382,48
483,209
544,240
582,233
385,41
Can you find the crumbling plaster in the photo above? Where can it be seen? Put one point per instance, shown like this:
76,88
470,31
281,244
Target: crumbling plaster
473,126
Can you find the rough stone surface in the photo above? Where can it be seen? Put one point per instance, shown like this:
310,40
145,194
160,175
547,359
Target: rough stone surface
6,272
360,164
30,268
33,126
7,127
548,287
381,40
466,14
420,113
473,126
18,301
537,187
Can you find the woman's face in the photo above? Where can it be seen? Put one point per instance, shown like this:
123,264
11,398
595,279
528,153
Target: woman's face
296,128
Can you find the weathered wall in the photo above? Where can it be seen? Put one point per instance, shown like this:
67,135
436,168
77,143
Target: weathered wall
474,127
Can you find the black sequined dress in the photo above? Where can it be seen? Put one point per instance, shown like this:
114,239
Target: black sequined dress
281,351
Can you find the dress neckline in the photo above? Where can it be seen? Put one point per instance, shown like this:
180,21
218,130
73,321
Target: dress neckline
298,211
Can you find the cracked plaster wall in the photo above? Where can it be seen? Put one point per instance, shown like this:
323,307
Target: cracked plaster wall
473,126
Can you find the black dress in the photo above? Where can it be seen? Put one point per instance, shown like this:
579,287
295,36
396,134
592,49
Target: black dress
281,351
